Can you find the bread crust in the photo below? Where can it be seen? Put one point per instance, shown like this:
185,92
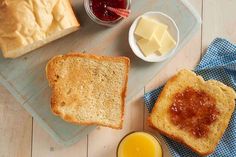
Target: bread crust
91,56
179,139
73,17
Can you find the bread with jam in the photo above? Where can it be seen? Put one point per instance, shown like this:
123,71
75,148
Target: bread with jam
193,111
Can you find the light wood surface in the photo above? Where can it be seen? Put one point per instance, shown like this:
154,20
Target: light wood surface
22,137
219,21
15,127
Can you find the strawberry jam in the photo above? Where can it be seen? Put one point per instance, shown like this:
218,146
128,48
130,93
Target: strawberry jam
99,9
193,111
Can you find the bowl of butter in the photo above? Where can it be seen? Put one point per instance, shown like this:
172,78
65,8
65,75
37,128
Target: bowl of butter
154,37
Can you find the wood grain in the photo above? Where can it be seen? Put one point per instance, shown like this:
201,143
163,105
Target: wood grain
44,146
218,21
15,127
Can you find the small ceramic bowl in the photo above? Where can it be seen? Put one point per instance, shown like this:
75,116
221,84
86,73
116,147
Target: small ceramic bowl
172,28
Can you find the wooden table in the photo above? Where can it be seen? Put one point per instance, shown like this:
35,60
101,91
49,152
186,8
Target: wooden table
20,136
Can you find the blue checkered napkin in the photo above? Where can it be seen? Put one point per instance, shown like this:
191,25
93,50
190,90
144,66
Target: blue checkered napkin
219,63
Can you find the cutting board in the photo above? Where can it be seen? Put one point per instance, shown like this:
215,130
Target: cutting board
25,79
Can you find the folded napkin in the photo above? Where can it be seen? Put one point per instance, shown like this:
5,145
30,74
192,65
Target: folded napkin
219,63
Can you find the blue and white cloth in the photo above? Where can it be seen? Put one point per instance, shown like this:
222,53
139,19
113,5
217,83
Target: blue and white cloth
219,63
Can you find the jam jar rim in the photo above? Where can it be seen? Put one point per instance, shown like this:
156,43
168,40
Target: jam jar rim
99,21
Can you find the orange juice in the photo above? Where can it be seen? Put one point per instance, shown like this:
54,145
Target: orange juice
139,144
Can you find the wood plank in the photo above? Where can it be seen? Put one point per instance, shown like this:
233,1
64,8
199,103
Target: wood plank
15,127
187,58
44,146
103,141
218,21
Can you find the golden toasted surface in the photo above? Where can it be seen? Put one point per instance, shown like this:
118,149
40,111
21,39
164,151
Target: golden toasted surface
88,89
33,23
223,95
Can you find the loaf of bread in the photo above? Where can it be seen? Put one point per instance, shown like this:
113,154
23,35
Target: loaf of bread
88,89
29,24
193,111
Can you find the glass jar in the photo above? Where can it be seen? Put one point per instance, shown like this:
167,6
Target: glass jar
87,6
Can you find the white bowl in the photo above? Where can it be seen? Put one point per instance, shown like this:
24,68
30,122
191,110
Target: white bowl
172,28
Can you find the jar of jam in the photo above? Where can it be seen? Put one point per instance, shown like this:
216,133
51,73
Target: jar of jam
98,12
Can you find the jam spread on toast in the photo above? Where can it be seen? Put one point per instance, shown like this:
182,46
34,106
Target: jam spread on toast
193,111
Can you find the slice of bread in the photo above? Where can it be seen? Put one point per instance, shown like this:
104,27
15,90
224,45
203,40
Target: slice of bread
88,89
224,100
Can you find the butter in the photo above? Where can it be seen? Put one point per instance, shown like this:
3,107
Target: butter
153,37
160,31
167,43
145,28
148,46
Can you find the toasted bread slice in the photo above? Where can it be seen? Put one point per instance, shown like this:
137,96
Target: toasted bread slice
88,89
224,102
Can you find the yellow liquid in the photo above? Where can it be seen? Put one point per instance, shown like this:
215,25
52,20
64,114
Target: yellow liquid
139,144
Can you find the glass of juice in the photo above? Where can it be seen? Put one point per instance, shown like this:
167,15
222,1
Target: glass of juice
139,144
98,12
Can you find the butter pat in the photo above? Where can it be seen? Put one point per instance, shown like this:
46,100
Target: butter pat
145,28
148,46
167,43
153,37
160,31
